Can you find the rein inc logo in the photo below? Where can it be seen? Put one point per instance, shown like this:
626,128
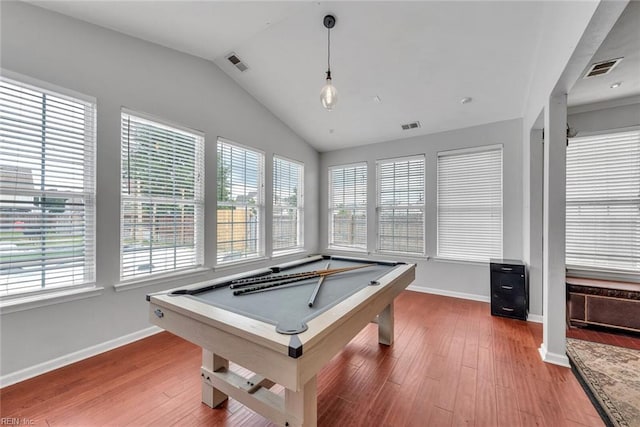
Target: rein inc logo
10,421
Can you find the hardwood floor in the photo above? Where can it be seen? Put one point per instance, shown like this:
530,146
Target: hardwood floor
451,364
606,336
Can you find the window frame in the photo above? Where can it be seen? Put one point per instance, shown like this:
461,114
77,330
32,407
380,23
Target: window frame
197,201
261,222
460,152
299,208
30,298
330,225
379,207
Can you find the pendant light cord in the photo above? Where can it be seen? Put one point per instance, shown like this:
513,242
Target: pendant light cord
329,50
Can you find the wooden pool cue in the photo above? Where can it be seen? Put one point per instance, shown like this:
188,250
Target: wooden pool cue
312,299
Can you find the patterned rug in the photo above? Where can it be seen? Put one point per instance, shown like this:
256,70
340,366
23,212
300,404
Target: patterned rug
612,375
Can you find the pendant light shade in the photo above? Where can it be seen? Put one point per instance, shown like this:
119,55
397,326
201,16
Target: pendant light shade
329,94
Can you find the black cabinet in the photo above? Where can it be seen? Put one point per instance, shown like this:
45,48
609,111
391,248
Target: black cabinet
509,288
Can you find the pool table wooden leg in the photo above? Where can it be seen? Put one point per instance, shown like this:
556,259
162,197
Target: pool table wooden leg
385,325
301,407
211,396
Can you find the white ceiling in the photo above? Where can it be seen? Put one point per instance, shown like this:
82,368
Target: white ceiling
419,57
623,41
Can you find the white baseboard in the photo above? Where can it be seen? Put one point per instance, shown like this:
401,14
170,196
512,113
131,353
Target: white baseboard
554,358
536,318
446,293
59,362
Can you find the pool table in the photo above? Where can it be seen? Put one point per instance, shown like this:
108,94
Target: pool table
275,333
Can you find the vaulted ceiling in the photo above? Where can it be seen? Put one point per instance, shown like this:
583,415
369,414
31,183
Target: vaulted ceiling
392,62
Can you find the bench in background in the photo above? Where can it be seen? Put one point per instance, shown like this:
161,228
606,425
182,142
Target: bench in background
603,303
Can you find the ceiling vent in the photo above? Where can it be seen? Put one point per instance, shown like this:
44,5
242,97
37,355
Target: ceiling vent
602,68
412,125
233,58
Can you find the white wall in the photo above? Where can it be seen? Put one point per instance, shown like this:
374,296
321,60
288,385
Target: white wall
452,278
123,71
605,116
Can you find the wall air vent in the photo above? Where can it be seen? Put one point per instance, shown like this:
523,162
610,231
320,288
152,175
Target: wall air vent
602,68
412,125
233,58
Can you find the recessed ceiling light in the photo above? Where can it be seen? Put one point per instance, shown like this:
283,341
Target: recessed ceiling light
331,130
616,85
466,100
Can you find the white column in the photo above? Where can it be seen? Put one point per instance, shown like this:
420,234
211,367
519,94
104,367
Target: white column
372,212
532,238
553,348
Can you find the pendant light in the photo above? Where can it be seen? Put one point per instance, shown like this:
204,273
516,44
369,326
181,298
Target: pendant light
329,94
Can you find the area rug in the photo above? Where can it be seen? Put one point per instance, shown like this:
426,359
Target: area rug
612,375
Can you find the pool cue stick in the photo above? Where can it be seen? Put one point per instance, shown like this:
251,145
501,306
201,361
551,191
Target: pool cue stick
313,274
270,286
312,299
302,275
257,280
257,290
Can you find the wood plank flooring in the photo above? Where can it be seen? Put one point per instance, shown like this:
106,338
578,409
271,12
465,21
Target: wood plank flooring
451,364
606,336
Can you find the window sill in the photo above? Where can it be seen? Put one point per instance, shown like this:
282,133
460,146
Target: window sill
617,276
50,298
461,261
233,264
347,251
403,256
159,278
281,254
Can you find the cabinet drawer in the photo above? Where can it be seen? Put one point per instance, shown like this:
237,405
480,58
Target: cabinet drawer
508,307
507,268
508,284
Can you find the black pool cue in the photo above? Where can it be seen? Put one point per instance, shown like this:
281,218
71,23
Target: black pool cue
312,299
241,283
259,289
301,276
270,286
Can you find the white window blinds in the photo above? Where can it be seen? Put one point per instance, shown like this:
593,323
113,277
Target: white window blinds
603,202
470,204
401,205
348,207
240,202
47,189
288,204
161,198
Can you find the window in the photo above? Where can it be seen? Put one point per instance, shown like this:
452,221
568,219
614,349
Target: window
288,204
240,202
401,205
47,189
161,197
348,207
470,204
603,202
